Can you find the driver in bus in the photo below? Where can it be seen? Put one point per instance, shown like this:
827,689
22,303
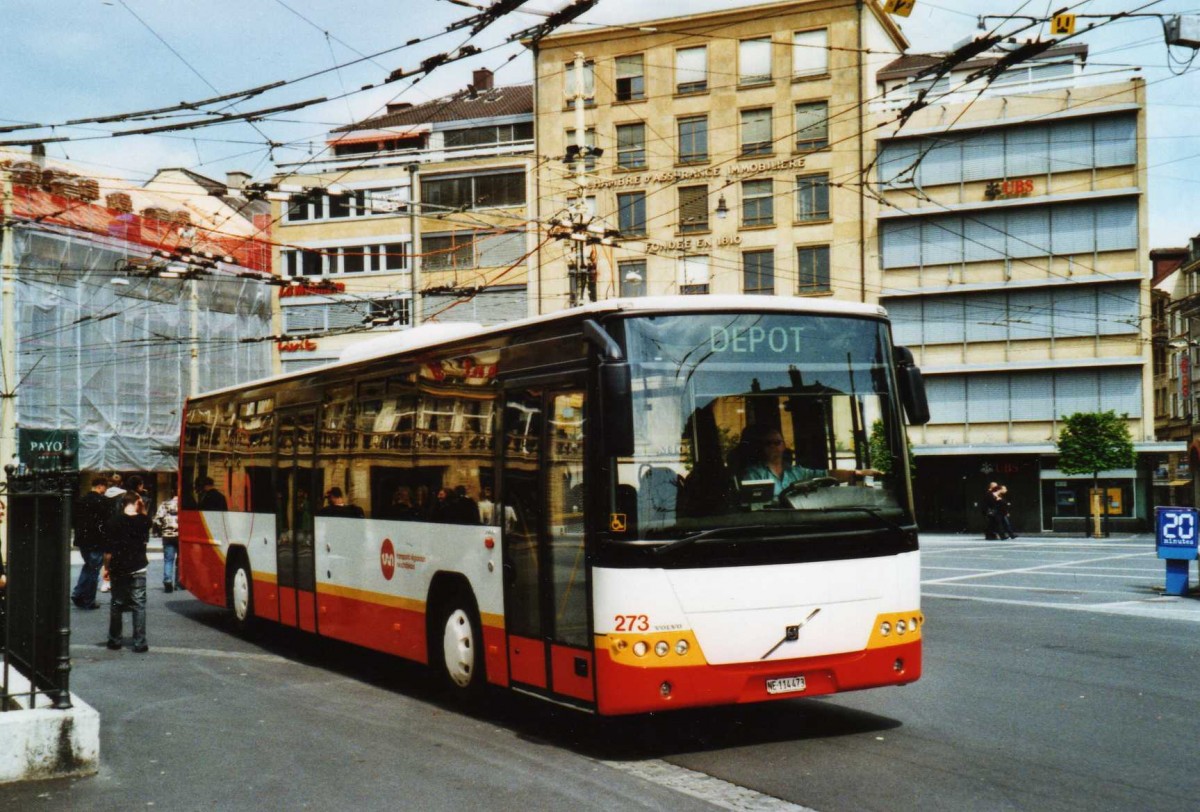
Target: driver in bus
765,461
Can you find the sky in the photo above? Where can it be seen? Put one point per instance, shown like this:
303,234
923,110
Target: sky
70,59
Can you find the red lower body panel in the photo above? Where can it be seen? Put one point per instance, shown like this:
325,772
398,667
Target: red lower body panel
624,689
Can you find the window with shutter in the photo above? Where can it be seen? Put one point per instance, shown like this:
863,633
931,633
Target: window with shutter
1031,395
691,70
900,243
947,398
754,61
1119,309
756,132
1072,229
1116,225
1070,146
987,398
812,125
1115,141
810,53
1027,151
693,208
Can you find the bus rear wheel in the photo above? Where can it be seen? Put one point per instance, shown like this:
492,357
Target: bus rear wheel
240,594
458,646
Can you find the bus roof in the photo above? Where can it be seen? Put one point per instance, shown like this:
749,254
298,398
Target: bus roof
434,334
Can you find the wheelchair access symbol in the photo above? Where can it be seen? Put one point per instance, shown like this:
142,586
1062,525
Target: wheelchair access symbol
617,523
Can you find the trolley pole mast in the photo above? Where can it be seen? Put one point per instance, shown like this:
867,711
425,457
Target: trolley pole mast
580,227
8,330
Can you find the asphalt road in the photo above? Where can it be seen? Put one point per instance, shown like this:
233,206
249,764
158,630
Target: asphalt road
1056,677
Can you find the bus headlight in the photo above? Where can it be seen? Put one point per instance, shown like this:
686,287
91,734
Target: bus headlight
661,648
885,628
901,626
681,648
640,648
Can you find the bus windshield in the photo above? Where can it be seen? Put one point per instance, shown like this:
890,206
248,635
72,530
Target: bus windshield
762,422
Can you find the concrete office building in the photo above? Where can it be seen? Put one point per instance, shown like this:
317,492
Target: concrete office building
1013,255
371,259
732,147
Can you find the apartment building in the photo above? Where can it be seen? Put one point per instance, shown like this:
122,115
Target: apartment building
726,148
418,214
1012,250
1176,291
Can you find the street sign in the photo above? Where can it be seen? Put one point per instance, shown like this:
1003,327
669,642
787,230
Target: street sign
1062,25
899,8
1176,532
1176,540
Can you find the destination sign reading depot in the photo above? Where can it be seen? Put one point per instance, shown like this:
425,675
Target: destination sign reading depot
755,339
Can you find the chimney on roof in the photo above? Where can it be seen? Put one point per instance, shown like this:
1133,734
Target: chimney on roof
396,107
237,180
481,79
38,153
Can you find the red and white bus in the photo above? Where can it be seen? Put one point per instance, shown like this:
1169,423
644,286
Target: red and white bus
631,506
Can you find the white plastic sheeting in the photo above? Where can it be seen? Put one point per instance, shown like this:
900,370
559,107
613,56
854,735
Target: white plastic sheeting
111,360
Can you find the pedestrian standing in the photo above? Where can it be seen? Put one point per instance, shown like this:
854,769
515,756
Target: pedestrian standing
128,534
1003,506
91,512
166,525
991,511
113,494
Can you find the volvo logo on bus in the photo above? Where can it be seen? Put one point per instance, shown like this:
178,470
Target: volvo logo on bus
387,559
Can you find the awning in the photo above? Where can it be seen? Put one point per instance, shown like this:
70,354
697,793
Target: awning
371,136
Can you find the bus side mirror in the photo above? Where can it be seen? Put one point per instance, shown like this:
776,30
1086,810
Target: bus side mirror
615,415
912,387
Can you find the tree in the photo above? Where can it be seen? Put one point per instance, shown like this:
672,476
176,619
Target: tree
1091,442
882,458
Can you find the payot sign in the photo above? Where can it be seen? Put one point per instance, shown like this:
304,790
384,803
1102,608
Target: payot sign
43,448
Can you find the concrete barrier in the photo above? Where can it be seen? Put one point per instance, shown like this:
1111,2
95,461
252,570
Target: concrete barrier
41,742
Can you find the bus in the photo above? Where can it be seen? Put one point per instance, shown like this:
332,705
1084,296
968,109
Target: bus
631,506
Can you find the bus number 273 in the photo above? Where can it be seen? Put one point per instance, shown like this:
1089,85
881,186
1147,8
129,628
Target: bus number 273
632,623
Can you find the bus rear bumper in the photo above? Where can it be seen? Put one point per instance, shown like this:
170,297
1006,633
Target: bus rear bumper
625,689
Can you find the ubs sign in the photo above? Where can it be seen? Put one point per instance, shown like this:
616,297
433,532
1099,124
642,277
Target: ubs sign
43,448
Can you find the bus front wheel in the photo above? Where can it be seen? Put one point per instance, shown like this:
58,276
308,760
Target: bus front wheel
458,654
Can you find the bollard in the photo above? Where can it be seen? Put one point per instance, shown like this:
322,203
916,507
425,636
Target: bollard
1175,539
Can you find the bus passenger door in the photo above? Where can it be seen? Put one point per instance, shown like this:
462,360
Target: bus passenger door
546,575
297,487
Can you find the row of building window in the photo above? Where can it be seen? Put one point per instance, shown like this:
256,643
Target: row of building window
1016,233
810,131
1062,312
345,314
810,198
759,273
755,66
439,193
440,252
1024,396
1010,152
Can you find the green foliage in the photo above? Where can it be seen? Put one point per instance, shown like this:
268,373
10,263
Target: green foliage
1091,442
881,455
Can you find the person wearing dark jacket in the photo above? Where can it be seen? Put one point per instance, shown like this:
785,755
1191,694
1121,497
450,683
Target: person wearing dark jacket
211,499
91,512
125,556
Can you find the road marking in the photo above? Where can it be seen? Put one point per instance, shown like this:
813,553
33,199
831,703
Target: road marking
1155,608
202,652
1022,570
700,785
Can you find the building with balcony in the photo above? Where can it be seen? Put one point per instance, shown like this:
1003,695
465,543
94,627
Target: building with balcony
1012,249
725,148
418,214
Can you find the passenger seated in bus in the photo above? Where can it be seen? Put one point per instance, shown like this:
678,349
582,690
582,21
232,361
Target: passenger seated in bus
335,505
401,507
210,498
762,451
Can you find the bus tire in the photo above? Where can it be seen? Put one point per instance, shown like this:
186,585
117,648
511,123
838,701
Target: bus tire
239,593
456,645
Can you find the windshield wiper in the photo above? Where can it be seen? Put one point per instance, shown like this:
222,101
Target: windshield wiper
874,512
719,532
